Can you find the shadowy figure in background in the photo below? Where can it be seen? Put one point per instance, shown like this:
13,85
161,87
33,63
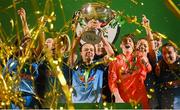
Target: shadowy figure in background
154,55
48,85
26,71
168,81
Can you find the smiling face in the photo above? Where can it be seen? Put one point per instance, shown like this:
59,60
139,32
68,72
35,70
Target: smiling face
142,46
127,45
169,54
87,53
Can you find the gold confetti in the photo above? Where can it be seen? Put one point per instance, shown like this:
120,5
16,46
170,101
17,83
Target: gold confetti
134,1
105,108
105,104
76,67
151,90
149,96
170,83
71,89
58,69
12,23
137,31
112,59
51,26
135,107
55,62
49,20
21,48
37,12
52,14
61,108
59,60
162,35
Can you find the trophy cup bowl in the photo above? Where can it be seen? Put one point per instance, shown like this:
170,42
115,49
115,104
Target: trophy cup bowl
97,11
100,13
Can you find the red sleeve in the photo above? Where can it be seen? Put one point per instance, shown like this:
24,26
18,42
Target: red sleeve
144,65
144,62
112,76
147,65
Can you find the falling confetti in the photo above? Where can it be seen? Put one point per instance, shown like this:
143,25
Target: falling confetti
7,83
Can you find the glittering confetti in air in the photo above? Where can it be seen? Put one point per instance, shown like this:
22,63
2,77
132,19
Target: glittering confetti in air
46,19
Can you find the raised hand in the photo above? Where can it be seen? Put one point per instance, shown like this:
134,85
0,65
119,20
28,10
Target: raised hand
22,13
145,22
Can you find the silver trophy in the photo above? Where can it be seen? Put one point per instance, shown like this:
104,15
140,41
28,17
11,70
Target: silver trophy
98,12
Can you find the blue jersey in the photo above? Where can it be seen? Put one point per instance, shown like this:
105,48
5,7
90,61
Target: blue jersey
87,84
28,73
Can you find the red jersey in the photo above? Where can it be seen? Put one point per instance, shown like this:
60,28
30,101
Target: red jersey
128,73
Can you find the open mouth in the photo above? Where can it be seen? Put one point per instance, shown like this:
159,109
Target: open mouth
127,46
88,54
170,58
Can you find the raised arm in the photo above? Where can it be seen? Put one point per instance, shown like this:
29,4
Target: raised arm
145,64
107,46
22,14
152,51
73,56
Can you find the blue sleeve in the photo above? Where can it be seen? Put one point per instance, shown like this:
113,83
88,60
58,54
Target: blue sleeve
10,67
35,67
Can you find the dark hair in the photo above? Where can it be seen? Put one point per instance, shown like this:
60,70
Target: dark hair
132,36
170,45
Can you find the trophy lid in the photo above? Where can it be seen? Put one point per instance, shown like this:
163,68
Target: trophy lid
97,11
